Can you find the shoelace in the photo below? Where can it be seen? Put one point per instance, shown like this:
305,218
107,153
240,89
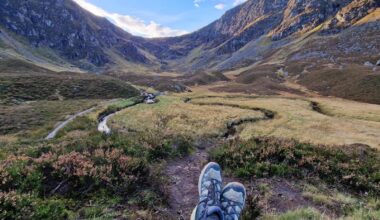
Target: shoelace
213,193
230,208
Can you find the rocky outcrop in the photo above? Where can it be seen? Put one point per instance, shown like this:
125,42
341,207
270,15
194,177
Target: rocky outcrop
350,14
277,19
303,16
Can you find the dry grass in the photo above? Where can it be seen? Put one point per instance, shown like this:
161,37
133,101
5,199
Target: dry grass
346,122
174,117
349,109
297,120
372,17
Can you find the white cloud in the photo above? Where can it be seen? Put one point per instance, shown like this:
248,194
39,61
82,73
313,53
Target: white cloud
238,2
131,24
197,3
220,6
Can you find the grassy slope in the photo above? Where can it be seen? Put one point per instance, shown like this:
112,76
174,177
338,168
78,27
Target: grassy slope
36,119
40,84
33,99
352,82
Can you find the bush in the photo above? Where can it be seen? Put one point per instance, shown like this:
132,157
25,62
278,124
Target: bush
353,167
96,170
22,206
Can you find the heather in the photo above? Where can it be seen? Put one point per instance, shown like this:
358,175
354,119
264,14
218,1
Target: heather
87,177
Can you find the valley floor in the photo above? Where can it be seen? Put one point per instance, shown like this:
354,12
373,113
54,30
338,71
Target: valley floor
175,137
203,116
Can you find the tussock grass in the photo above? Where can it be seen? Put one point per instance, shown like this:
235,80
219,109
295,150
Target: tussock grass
349,109
172,116
296,119
353,168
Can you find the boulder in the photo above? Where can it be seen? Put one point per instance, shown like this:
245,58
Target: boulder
369,64
378,63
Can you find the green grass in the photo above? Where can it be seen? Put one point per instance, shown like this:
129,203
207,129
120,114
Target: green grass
82,123
300,214
122,104
35,119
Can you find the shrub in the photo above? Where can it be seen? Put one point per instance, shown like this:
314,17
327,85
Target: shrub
96,170
22,206
308,213
352,167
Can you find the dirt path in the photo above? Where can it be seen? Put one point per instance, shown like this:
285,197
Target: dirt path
53,133
279,194
183,190
183,173
183,177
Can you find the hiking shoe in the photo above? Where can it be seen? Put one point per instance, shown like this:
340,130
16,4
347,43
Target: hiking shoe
232,200
209,188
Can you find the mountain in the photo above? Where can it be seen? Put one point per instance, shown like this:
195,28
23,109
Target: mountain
330,47
71,33
257,28
260,44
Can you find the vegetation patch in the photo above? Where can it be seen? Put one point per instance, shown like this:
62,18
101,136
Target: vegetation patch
352,167
126,103
95,176
19,88
34,120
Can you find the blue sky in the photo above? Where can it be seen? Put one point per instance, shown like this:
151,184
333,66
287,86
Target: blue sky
159,18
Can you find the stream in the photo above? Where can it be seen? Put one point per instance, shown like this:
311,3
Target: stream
149,98
103,127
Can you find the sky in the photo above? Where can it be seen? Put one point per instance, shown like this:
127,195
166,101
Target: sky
159,18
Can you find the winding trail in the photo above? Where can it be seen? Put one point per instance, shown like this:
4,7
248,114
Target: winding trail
54,133
183,173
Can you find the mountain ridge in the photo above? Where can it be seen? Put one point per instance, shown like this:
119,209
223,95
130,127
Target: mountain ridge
262,36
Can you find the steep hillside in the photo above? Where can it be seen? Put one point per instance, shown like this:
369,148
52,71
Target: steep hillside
321,44
74,34
256,29
247,33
